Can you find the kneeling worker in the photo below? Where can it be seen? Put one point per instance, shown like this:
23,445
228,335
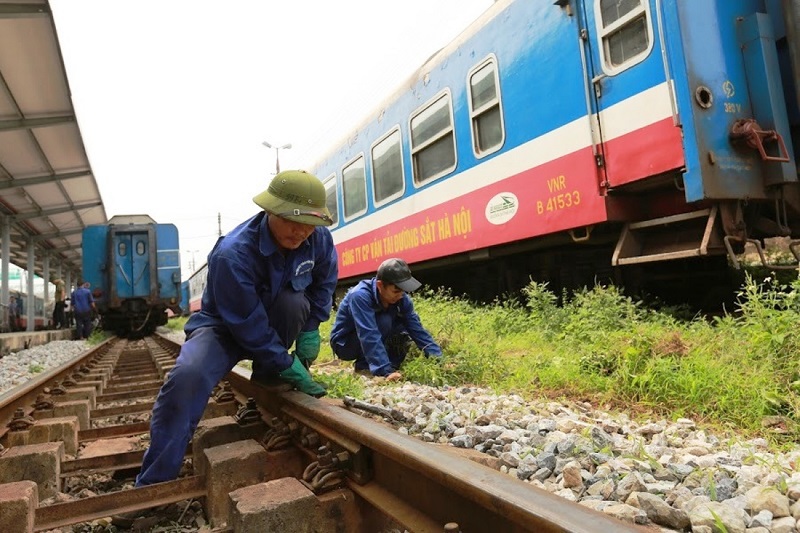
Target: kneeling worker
376,322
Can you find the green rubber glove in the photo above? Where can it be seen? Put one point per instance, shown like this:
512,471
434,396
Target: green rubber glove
299,377
307,346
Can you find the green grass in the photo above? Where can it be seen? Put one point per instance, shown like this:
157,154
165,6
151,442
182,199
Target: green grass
176,323
730,372
599,345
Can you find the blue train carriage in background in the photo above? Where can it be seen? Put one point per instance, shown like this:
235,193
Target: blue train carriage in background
133,265
185,310
184,302
641,141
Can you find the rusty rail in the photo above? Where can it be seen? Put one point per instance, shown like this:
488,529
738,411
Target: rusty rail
24,397
420,486
423,486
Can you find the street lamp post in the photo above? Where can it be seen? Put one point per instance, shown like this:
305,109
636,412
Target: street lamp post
277,157
192,263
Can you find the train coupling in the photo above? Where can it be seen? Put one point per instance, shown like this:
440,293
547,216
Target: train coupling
750,132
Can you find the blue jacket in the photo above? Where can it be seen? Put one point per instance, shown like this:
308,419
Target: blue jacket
82,300
361,312
246,272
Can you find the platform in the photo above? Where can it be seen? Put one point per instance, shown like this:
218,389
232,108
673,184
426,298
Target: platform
20,340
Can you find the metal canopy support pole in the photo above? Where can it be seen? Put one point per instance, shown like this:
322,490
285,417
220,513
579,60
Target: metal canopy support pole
68,289
30,304
5,237
46,291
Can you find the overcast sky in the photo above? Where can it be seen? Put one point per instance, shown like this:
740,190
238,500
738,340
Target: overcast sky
175,97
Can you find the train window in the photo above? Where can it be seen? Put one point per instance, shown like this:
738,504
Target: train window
139,248
354,188
626,33
122,249
387,167
433,142
330,198
484,109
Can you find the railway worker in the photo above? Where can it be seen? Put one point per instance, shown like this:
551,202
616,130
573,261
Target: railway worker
376,322
59,310
270,284
83,307
13,313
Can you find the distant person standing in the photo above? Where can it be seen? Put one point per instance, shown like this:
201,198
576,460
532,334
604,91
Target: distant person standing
83,306
13,314
19,310
59,311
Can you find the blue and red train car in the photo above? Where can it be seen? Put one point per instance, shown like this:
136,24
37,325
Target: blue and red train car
193,289
637,140
17,320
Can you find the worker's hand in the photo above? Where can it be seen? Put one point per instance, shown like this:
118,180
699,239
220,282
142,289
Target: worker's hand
307,346
394,376
301,379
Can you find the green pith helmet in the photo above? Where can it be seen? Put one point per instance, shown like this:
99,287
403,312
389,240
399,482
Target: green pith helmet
298,196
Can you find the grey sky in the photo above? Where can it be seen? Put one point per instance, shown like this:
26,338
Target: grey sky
176,97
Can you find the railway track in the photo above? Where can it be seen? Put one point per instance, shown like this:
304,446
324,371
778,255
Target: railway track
264,458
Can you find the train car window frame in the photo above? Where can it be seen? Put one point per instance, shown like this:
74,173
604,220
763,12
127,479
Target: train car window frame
435,140
331,183
359,158
615,28
478,115
395,131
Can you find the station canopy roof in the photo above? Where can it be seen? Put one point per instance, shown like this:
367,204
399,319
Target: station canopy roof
48,192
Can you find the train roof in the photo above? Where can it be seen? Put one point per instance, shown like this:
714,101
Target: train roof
131,219
417,76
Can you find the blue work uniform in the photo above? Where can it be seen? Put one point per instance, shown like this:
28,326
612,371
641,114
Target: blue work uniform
256,302
363,329
82,305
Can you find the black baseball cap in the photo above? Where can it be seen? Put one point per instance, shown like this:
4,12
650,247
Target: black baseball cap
396,272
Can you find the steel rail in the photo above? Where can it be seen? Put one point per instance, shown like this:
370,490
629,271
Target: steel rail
24,397
428,485
418,485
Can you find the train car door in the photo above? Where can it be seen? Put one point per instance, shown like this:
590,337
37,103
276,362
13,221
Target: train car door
629,95
132,260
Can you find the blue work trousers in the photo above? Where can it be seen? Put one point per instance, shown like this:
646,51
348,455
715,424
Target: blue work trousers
83,323
397,343
59,315
208,354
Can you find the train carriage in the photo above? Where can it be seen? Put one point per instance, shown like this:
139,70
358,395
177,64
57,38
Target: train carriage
642,140
195,286
18,319
133,267
185,295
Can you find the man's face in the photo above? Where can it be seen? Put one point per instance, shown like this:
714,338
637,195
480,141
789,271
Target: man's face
288,235
389,294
